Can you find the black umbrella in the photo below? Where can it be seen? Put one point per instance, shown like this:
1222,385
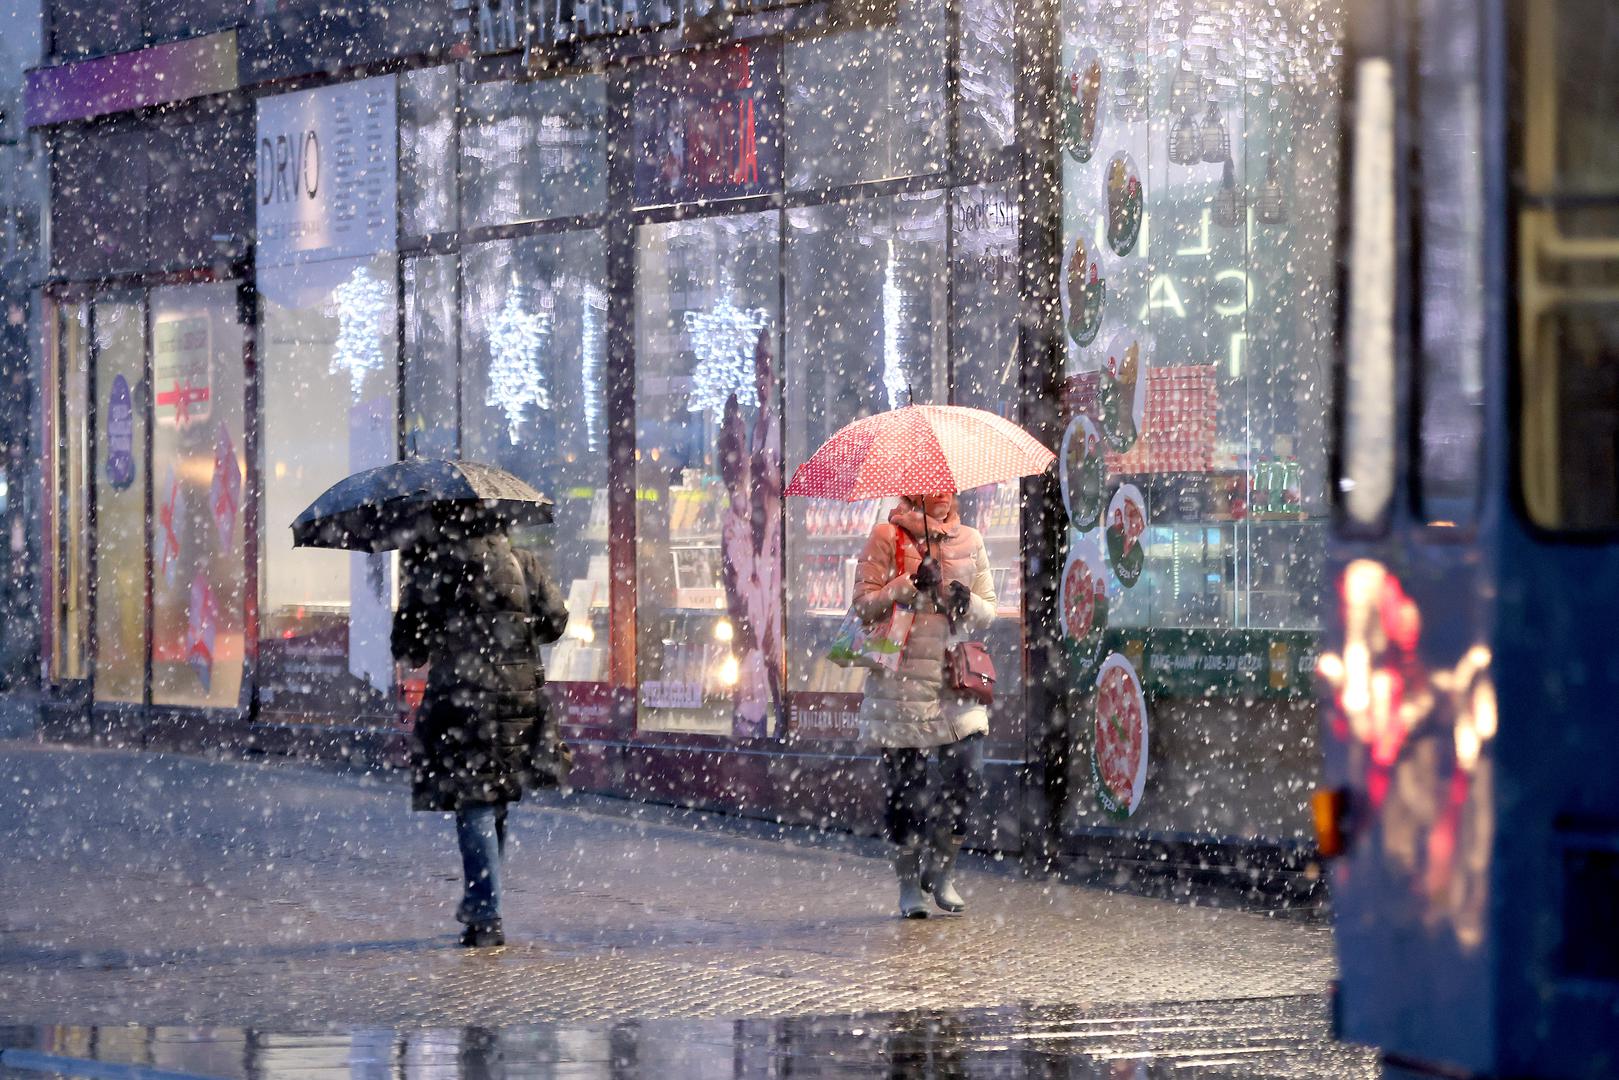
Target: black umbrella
393,506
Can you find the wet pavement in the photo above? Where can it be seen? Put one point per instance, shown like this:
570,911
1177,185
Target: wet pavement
229,906
1271,1038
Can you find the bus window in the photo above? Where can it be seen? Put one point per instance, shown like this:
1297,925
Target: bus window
1366,484
1566,177
1450,189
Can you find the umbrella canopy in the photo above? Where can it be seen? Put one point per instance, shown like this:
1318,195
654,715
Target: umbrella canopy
919,450
393,506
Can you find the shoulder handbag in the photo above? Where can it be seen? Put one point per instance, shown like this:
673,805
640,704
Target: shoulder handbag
970,672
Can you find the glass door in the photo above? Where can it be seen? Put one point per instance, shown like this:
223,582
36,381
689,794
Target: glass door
122,394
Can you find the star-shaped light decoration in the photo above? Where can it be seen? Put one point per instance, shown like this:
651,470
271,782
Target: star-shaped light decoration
516,339
360,304
724,338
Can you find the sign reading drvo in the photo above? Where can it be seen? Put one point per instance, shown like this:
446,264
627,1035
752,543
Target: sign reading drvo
708,124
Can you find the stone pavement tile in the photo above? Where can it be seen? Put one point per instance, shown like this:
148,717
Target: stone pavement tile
167,889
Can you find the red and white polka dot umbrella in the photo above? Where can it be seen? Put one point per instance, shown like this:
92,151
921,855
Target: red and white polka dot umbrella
919,450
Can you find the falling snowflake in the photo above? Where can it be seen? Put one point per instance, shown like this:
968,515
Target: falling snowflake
724,338
359,303
516,340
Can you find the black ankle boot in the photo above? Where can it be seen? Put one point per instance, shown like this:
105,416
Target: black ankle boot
484,936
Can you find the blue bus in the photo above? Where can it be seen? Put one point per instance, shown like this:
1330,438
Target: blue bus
1470,677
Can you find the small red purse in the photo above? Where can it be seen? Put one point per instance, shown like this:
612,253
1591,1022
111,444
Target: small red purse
970,671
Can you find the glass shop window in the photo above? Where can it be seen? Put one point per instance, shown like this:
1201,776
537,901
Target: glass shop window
869,104
122,393
427,153
199,570
534,402
867,287
709,475
328,352
532,151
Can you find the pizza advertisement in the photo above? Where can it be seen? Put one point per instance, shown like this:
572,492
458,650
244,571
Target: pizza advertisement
1082,106
1085,291
1084,607
1084,473
1119,753
1122,396
1126,522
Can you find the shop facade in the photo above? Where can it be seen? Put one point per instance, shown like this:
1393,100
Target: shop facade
648,258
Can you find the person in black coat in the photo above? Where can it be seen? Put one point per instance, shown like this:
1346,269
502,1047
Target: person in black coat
477,610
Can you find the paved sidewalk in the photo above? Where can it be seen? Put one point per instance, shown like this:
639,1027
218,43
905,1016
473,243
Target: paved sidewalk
165,889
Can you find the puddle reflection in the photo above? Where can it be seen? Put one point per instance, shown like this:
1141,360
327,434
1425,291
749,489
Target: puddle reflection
1277,1038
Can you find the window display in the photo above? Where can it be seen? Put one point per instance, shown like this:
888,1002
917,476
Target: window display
327,348
868,104
432,357
428,199
1198,269
708,475
533,402
199,570
122,392
533,150
882,344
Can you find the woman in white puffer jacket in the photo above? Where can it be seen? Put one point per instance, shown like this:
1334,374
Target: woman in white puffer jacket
911,712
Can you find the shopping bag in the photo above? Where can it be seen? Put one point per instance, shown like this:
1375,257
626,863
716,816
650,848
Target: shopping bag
878,647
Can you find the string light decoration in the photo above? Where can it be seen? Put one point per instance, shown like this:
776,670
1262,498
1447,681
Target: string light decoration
359,304
591,354
895,380
724,338
516,340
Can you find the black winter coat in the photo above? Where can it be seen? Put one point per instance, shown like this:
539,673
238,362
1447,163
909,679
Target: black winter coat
478,610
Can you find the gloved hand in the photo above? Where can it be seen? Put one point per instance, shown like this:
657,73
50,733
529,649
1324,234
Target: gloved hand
956,599
927,575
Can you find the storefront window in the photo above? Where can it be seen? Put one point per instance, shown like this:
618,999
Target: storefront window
99,200
328,351
533,401
198,571
70,503
708,475
121,395
866,331
868,104
986,94
432,357
533,150
208,158
1200,201
427,158
985,373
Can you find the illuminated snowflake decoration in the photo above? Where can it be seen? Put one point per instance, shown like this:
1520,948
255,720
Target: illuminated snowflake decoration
516,340
724,338
360,304
896,307
591,354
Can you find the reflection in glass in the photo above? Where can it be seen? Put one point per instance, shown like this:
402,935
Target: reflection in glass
533,402
120,331
432,357
868,104
328,346
533,150
427,187
199,471
866,302
708,475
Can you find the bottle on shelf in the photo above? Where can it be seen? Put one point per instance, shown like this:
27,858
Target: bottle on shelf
1292,487
1260,503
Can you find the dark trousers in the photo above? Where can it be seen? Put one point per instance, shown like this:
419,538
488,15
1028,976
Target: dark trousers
923,799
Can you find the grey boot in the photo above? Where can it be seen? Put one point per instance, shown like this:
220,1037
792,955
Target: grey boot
936,876
908,867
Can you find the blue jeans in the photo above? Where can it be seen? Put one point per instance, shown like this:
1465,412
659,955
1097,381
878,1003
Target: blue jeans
920,805
480,828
